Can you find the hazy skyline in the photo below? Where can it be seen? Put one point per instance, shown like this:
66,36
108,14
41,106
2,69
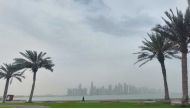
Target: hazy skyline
88,40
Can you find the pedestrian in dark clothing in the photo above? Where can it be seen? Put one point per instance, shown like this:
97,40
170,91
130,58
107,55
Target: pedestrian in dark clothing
83,100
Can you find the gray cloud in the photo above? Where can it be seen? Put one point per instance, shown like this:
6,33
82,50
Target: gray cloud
99,16
128,26
93,5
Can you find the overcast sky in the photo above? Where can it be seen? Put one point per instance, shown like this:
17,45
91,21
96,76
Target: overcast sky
88,40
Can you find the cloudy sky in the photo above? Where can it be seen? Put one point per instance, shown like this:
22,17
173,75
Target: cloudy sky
88,40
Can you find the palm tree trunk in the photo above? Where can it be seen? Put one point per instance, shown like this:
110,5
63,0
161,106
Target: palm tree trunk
6,90
167,97
33,86
184,79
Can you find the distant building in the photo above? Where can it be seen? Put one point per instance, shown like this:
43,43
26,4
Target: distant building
77,91
125,88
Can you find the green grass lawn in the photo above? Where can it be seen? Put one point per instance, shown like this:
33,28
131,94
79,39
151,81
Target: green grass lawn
113,105
93,105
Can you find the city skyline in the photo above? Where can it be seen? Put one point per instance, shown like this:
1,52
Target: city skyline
111,89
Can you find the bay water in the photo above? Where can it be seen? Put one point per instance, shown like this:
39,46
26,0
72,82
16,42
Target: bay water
98,97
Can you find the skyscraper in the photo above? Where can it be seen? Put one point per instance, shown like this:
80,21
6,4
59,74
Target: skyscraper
125,88
91,89
110,90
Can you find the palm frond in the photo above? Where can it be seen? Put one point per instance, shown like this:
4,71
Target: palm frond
19,74
11,80
19,79
22,63
157,46
35,62
177,27
10,71
47,64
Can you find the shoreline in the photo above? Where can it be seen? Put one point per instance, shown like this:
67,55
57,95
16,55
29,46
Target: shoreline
173,100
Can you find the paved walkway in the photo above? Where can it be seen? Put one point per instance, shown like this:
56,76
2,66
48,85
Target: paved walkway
24,106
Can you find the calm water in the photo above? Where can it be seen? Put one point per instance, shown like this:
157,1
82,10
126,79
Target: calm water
100,97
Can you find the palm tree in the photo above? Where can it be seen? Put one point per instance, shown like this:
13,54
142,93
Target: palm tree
34,61
160,48
8,72
177,29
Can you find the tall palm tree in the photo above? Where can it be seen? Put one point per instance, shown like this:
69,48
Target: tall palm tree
34,61
8,72
160,48
177,29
